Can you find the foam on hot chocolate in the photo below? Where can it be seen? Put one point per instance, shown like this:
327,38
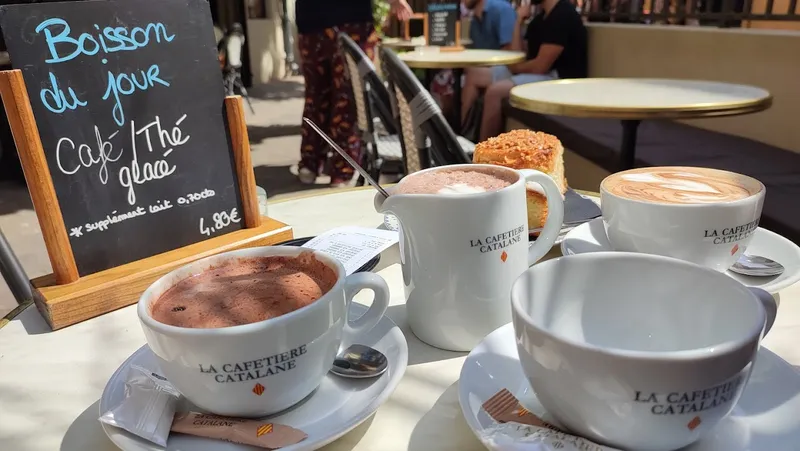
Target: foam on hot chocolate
243,291
455,182
681,185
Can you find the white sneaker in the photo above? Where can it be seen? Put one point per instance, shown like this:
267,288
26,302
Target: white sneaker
306,176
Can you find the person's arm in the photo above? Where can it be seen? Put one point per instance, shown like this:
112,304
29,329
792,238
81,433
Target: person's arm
504,24
555,36
542,64
523,13
401,9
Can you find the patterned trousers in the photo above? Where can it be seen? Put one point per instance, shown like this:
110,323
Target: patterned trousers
329,99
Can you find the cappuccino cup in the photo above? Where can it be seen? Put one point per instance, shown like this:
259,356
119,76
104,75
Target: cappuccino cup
264,367
701,215
637,351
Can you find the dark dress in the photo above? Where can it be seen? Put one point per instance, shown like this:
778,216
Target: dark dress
329,96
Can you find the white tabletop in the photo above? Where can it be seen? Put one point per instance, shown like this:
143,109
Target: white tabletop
434,58
50,382
639,98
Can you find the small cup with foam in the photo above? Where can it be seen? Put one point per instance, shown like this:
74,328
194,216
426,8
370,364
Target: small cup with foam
701,215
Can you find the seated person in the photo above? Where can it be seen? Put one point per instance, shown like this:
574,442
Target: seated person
556,43
491,28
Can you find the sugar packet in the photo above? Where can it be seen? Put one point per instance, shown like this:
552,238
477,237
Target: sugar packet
519,429
261,433
148,407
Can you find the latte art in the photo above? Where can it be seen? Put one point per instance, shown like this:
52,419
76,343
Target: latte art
681,185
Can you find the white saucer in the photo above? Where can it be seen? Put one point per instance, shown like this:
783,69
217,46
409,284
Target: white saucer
591,237
334,409
765,419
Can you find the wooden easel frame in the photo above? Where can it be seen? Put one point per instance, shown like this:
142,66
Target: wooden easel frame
426,32
65,298
407,26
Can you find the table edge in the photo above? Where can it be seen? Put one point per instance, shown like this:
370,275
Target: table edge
504,61
698,110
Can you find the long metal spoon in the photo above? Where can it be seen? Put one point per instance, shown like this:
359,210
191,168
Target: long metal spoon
352,162
360,362
754,265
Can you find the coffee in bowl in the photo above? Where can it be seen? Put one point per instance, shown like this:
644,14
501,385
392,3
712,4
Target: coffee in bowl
252,332
244,291
456,181
681,185
702,215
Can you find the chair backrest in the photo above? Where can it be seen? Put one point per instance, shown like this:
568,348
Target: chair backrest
427,120
369,91
234,43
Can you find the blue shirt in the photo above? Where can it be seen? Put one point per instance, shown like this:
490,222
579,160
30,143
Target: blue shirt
496,28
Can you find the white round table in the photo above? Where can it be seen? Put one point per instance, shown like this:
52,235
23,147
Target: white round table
633,99
50,382
431,58
411,44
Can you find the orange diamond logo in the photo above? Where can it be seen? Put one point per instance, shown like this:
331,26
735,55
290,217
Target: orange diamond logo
503,256
735,248
522,412
258,389
264,429
694,423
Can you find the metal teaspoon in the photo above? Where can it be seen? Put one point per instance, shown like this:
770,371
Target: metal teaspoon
360,362
352,162
754,265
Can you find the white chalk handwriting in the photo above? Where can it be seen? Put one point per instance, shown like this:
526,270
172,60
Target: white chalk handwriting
194,197
221,220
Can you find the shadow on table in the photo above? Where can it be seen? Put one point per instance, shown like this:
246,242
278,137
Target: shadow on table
418,352
444,423
85,433
33,321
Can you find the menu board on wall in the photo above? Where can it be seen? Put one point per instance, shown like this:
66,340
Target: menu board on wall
443,21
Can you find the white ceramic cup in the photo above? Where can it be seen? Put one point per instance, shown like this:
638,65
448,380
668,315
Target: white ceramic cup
709,234
261,368
637,351
461,253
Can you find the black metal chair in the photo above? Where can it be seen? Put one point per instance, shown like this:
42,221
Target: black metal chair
14,274
427,137
232,72
383,152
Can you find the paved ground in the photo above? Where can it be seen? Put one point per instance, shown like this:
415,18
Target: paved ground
275,141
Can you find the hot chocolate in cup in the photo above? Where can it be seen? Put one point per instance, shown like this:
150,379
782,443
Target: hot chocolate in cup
701,215
635,351
252,332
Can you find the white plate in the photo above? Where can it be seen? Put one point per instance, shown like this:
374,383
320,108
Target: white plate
591,237
764,419
334,409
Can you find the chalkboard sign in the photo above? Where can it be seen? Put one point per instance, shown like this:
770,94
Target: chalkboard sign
443,19
128,99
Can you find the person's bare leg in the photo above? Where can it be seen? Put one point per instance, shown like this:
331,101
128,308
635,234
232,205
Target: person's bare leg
476,78
492,119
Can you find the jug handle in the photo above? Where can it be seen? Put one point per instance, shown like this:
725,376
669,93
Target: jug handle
770,306
555,214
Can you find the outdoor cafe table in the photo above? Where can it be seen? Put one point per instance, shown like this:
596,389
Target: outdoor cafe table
411,44
632,100
50,382
430,60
